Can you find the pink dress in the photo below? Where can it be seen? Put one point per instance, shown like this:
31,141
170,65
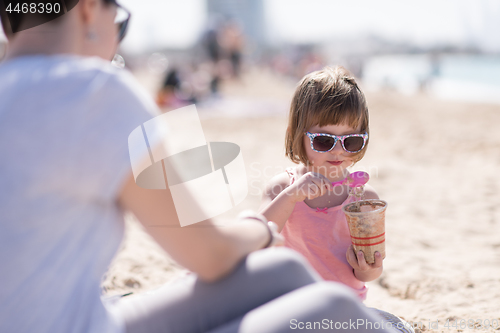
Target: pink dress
322,236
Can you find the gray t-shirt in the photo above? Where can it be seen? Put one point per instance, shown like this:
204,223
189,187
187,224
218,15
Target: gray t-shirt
64,125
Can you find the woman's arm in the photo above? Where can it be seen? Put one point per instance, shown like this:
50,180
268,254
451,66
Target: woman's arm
209,250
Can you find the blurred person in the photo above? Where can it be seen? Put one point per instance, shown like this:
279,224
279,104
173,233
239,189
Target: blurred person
232,43
212,45
175,91
213,50
66,180
166,95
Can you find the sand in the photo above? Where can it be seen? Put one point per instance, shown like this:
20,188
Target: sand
436,164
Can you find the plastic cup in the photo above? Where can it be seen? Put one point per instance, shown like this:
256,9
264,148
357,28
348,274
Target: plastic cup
366,219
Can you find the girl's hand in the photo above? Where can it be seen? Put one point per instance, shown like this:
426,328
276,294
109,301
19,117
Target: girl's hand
309,186
362,270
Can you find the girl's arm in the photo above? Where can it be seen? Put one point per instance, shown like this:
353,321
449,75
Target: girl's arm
277,203
279,198
209,250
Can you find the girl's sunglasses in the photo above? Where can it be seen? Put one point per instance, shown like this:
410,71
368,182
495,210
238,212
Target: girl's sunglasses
322,142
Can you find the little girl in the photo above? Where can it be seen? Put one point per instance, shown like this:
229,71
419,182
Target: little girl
327,132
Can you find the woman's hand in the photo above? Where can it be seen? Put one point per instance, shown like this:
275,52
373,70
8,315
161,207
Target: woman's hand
274,237
277,239
362,270
309,186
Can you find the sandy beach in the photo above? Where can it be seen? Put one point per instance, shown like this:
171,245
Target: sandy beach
435,162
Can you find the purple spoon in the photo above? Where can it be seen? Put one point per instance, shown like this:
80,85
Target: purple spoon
355,179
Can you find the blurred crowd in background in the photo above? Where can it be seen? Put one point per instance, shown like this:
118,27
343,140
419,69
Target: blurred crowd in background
222,54
457,60
217,57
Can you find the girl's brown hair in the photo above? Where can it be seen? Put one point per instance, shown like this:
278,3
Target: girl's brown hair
329,96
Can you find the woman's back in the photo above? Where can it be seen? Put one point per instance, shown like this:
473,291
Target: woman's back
64,123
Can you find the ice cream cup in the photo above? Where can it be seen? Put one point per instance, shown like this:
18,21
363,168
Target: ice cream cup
366,219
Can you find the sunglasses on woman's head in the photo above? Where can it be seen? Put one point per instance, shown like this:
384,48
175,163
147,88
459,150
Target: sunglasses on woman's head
323,142
121,19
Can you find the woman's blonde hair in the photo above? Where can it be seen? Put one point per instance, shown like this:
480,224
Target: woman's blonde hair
329,96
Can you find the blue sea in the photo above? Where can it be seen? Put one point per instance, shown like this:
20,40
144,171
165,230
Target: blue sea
474,78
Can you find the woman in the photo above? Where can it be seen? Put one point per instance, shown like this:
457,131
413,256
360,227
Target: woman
65,181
